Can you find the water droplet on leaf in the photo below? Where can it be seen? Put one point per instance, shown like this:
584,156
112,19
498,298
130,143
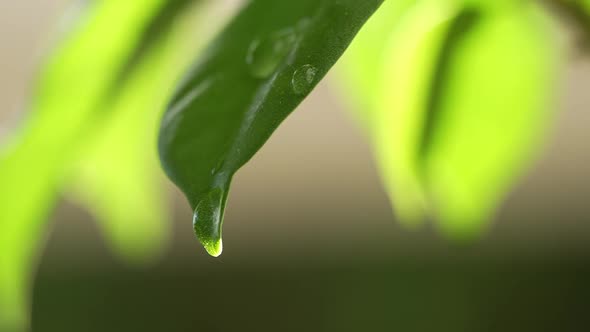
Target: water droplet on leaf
303,79
208,219
266,54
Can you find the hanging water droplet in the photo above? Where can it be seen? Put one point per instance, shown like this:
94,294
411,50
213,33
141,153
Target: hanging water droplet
266,54
207,221
303,79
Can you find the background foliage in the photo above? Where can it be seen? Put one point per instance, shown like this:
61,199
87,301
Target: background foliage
453,94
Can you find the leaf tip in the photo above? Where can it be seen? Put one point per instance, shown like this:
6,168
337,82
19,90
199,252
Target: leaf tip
214,248
208,221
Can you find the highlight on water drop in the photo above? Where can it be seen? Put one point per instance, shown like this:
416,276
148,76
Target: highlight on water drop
266,54
303,79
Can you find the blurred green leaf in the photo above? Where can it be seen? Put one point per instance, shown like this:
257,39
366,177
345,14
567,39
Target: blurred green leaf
118,177
360,68
403,98
489,114
406,38
83,72
251,77
458,105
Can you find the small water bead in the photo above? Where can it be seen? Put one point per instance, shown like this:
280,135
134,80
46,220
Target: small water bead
266,54
207,221
303,79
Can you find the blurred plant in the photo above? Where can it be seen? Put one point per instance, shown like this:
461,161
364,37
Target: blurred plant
454,94
458,103
93,119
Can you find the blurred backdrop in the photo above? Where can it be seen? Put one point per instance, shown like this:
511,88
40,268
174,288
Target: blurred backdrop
310,241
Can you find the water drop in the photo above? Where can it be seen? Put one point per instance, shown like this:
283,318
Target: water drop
303,79
208,219
266,54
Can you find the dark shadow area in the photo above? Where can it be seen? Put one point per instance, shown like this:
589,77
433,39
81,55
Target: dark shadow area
397,295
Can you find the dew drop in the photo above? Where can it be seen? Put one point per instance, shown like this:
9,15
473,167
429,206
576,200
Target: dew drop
266,54
303,79
207,221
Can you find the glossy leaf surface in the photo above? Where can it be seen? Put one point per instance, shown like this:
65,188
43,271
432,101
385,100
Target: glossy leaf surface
251,77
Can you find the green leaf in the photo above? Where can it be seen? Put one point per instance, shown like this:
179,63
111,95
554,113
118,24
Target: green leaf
488,114
402,99
405,38
251,77
462,109
360,68
445,81
81,74
118,178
